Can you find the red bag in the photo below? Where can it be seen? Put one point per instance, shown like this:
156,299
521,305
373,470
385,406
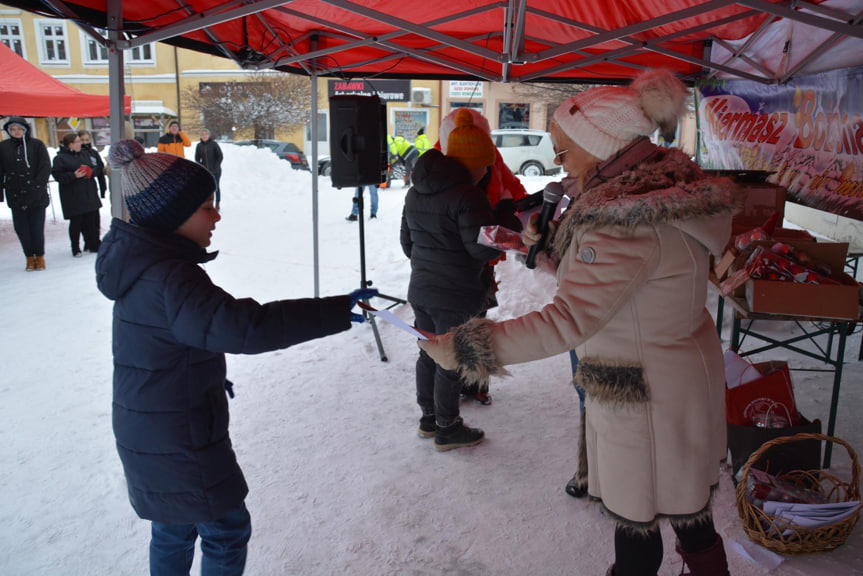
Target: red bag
764,400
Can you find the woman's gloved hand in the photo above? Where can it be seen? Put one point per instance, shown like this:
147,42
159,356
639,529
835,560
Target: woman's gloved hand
530,235
441,348
356,296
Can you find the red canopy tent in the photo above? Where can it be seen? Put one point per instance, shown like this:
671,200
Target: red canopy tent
27,91
494,40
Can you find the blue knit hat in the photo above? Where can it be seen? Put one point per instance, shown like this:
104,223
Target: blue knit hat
161,190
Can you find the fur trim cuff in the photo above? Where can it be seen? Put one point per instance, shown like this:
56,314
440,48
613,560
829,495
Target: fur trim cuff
474,352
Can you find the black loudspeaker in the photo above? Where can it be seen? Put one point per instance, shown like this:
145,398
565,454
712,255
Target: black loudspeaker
358,140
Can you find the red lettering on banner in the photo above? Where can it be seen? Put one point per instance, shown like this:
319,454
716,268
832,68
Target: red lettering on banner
783,121
761,120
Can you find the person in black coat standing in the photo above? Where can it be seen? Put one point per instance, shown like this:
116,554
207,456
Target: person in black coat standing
78,194
443,212
25,168
208,153
93,223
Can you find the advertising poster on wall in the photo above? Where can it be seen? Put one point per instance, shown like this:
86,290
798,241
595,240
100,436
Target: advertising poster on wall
406,122
807,133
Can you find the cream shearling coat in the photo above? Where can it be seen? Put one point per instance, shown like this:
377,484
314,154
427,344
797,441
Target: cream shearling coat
632,286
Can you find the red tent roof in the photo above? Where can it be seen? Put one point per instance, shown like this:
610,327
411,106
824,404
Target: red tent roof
27,91
494,40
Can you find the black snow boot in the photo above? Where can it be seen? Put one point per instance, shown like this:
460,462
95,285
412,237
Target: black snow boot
457,435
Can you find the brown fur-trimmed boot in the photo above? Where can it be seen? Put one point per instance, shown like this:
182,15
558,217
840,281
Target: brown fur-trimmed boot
31,263
709,562
40,262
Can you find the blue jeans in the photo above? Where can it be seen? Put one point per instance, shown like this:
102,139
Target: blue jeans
223,544
373,192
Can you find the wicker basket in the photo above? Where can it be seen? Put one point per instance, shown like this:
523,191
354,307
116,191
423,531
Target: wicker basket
767,530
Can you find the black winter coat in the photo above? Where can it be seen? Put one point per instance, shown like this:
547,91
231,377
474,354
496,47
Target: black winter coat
209,155
98,166
172,329
442,216
77,195
25,168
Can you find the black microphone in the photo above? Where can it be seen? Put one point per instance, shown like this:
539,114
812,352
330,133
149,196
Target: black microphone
550,199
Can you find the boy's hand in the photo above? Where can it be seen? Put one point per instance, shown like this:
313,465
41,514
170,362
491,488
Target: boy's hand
356,296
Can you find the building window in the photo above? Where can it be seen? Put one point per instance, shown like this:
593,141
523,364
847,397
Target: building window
513,115
52,42
94,51
10,35
141,54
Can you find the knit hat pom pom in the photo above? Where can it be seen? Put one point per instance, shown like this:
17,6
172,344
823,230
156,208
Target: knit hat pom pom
463,118
124,152
662,97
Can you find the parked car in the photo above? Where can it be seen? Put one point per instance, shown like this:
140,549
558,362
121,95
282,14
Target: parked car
325,166
284,150
526,152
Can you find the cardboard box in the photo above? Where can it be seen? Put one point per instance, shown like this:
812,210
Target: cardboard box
832,301
731,262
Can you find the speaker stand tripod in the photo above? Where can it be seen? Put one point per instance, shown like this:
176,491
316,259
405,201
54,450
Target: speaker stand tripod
364,282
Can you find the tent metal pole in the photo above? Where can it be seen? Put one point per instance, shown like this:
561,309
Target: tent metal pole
117,91
313,77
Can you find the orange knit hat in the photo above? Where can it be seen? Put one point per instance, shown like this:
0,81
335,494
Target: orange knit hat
470,144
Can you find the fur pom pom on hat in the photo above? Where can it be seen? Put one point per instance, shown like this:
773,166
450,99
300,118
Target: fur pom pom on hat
447,125
604,120
161,190
470,144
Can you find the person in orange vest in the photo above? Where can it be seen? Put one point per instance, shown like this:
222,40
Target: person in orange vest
174,140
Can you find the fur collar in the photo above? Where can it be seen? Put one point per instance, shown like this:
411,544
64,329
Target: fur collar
665,189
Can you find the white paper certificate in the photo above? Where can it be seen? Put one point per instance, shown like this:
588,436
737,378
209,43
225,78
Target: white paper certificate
395,321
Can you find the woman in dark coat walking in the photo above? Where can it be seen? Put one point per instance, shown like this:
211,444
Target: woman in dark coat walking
98,165
24,171
78,194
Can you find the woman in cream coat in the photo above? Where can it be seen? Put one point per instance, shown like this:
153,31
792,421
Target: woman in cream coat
632,254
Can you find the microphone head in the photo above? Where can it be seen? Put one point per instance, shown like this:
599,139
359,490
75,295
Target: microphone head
552,193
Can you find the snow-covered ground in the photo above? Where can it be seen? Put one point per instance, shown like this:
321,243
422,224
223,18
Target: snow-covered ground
325,431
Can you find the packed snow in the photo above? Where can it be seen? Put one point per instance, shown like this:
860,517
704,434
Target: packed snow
325,431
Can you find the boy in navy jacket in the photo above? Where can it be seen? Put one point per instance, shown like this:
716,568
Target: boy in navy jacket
172,327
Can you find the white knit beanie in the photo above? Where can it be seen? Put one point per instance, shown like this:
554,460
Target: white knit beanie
604,120
448,124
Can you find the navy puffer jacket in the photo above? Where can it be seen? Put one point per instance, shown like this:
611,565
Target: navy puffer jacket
172,328
442,216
